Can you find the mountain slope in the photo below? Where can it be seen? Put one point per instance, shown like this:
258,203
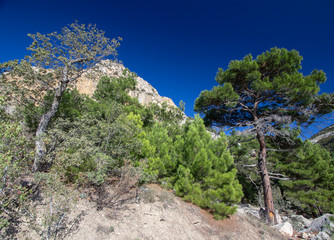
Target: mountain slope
325,138
156,214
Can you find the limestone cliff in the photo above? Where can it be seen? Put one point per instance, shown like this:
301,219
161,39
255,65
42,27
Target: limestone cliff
144,92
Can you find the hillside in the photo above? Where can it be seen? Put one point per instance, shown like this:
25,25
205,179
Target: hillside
158,215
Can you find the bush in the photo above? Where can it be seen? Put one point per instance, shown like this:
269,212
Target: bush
15,156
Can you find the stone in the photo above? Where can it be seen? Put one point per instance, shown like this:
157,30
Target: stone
262,214
285,228
248,210
299,222
304,235
241,211
323,224
322,236
278,217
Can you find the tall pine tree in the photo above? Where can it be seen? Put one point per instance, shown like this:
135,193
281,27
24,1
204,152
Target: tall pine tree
265,95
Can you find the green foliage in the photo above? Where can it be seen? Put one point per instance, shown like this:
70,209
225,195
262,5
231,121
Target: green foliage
311,169
90,149
58,60
270,85
90,140
160,152
198,168
72,106
115,89
15,156
182,106
59,199
165,113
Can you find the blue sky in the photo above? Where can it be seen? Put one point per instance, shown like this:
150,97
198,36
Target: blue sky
177,46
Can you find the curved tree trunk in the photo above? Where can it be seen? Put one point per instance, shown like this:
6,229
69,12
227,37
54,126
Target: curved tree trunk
40,148
267,192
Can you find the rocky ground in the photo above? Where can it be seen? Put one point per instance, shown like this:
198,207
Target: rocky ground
152,213
158,214
155,214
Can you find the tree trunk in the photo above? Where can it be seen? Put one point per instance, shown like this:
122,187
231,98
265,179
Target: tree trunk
268,196
40,148
40,133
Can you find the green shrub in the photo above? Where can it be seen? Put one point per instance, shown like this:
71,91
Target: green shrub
15,156
198,168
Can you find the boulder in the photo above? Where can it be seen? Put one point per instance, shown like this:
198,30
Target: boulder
285,228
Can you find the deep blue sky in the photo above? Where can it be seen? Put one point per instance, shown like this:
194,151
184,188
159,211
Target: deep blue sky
177,46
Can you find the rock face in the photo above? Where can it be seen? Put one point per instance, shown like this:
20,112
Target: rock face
144,92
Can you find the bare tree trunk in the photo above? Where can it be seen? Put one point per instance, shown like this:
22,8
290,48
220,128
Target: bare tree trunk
268,196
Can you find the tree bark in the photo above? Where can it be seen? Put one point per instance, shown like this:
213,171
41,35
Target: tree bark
40,133
267,192
40,148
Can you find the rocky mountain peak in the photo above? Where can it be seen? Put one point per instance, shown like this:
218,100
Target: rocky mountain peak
144,92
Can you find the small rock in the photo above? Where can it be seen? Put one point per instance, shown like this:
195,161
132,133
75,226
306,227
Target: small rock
241,211
262,214
303,235
322,236
284,228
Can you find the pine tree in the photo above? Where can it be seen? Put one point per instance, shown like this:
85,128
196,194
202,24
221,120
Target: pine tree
311,170
206,175
265,95
160,153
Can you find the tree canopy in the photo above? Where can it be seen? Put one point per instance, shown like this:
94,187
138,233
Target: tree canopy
269,91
